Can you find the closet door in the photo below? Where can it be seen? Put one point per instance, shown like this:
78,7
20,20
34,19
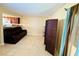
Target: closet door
50,35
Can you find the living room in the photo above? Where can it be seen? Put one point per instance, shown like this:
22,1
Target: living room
32,23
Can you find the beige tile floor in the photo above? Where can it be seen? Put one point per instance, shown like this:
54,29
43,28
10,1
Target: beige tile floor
27,46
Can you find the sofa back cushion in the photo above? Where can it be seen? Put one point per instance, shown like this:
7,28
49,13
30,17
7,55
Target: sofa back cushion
14,30
17,30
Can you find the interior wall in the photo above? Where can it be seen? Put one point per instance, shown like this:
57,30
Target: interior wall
34,25
1,30
61,12
59,35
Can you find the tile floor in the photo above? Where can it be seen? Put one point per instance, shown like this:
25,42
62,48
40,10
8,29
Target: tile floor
27,46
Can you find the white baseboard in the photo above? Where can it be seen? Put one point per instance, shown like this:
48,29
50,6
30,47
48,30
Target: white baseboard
35,35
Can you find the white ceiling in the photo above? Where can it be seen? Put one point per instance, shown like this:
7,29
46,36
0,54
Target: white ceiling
33,9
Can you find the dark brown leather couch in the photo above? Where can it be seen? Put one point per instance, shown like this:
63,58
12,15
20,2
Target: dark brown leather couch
13,35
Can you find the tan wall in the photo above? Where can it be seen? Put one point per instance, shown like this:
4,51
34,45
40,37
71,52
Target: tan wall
59,35
61,13
1,30
34,25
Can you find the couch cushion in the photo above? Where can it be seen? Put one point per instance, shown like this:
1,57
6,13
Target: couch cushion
17,30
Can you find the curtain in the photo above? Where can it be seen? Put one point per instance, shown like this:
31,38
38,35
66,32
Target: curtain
77,50
74,30
65,30
70,32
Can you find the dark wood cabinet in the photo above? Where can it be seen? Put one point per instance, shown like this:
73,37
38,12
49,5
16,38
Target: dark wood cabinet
51,35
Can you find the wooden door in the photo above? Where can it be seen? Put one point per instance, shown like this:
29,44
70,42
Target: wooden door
50,35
